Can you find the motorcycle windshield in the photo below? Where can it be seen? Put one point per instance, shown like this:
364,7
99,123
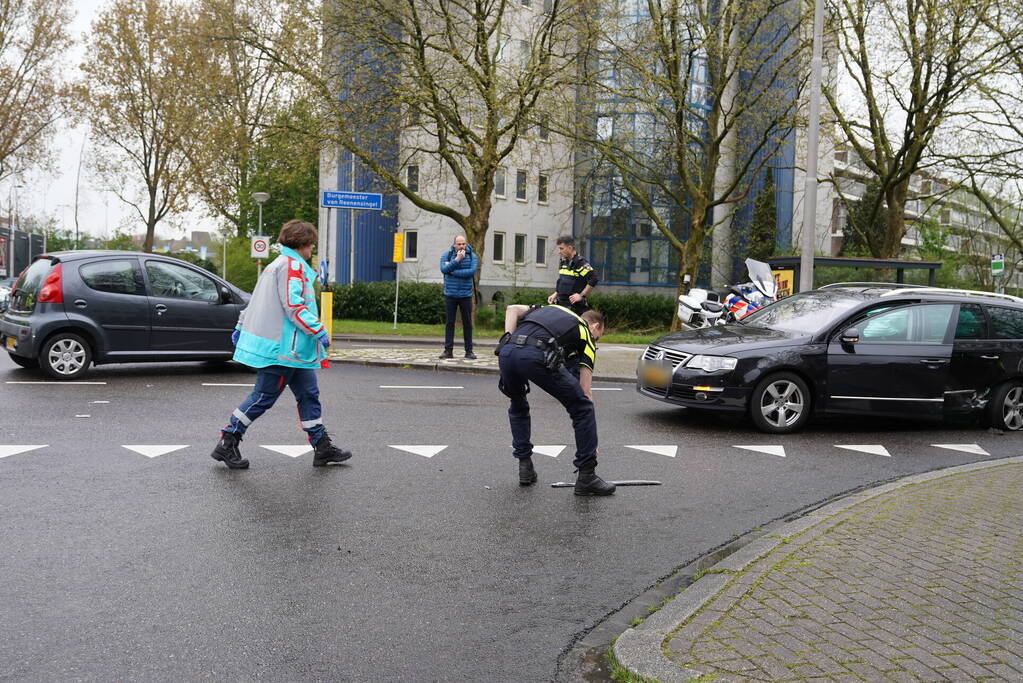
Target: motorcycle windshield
760,275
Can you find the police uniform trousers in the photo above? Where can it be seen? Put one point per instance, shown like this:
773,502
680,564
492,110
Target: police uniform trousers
521,365
578,308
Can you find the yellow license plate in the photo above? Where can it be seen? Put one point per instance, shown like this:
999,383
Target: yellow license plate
656,375
10,343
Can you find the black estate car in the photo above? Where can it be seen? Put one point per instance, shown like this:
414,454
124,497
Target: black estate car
852,349
74,308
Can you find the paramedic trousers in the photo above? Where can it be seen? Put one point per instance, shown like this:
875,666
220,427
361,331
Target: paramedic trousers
270,383
521,365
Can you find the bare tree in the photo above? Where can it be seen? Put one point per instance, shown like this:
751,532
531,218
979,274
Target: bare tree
131,96
456,82
914,67
33,40
684,103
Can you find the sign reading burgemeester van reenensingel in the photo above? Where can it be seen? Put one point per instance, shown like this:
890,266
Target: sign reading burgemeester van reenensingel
330,199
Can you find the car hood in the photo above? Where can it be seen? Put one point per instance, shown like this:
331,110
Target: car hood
727,339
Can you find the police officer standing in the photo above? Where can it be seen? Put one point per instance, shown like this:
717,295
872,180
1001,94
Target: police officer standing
576,277
538,346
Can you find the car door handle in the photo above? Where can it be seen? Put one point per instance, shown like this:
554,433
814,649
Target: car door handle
934,361
81,303
160,309
990,357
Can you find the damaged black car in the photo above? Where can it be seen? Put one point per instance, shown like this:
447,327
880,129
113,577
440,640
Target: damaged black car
851,349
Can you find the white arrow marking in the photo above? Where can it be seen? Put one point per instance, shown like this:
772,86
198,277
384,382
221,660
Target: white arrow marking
290,451
872,450
153,451
770,450
425,451
553,451
14,450
964,447
669,451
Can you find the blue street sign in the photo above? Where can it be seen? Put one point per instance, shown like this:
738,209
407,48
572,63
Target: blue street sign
352,200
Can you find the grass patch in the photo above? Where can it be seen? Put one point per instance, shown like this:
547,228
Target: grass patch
348,326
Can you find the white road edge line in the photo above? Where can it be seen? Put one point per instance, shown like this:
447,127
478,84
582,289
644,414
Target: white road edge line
59,383
606,388
414,386
226,384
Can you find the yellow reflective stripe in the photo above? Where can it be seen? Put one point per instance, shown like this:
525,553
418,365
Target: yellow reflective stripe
590,349
581,272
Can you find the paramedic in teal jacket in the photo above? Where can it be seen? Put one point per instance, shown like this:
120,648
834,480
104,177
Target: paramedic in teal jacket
280,335
458,265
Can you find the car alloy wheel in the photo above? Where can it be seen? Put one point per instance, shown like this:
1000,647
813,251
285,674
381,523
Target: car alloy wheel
1006,407
66,356
780,404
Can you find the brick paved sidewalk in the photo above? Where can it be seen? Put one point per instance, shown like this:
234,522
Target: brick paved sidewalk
922,581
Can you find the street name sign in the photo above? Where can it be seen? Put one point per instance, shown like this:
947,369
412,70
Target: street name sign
373,201
997,264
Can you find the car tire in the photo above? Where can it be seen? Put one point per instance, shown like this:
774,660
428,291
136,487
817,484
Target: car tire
1005,409
24,361
65,356
780,403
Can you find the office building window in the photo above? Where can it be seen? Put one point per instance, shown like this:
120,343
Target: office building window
499,182
520,249
520,184
527,3
411,245
498,247
541,251
541,188
413,178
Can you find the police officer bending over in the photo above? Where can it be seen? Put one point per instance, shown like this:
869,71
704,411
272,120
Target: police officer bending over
538,346
576,278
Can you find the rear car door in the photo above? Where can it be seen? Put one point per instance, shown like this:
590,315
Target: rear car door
1007,331
977,361
186,310
899,366
113,295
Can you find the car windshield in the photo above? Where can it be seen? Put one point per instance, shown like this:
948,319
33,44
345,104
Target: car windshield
803,313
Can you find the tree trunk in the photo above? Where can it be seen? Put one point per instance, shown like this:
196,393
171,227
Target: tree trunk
896,225
689,259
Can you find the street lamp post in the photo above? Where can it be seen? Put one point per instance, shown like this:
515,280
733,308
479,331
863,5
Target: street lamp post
808,241
260,198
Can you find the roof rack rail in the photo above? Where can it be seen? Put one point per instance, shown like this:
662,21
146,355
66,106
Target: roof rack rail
876,285
942,290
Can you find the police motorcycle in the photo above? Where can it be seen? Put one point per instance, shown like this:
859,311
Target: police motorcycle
741,300
699,308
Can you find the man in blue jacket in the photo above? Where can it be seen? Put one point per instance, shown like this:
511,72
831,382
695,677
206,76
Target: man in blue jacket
280,335
458,264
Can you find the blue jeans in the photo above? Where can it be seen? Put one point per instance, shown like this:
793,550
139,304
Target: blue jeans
521,365
270,382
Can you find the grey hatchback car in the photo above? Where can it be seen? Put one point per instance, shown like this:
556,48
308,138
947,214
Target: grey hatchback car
71,309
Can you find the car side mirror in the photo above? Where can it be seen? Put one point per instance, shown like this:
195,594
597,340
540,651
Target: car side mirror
225,296
850,336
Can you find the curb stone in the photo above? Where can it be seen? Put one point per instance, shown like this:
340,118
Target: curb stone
639,649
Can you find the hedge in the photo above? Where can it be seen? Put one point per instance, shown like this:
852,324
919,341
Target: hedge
423,302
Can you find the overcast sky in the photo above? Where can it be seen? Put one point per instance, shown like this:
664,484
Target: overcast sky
52,194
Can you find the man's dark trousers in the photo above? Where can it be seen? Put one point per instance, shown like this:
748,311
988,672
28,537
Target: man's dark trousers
523,364
451,304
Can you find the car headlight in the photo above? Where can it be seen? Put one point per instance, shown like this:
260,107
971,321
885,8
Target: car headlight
712,363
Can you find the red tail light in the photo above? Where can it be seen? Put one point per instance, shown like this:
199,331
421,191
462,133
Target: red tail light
51,291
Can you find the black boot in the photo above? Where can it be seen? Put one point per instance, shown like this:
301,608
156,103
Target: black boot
324,452
227,451
527,475
447,354
589,484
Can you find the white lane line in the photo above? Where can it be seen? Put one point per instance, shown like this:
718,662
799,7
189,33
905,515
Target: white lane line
425,451
669,451
290,451
83,415
869,449
964,447
414,386
769,450
606,388
14,450
227,384
64,384
553,451
99,401
153,451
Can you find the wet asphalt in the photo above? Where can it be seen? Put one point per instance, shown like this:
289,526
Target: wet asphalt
393,566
